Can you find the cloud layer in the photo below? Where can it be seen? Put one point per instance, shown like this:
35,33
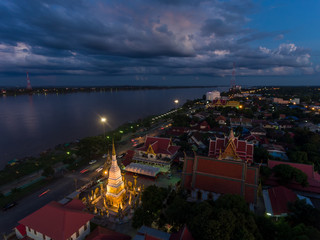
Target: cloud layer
142,39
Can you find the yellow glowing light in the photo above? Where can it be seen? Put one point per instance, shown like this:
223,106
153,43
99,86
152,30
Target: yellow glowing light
240,106
176,101
103,119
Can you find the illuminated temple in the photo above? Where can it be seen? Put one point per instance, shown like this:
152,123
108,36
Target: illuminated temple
115,187
116,198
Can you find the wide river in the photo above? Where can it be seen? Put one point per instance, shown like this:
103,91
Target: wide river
32,124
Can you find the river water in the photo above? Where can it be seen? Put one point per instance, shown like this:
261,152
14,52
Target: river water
32,124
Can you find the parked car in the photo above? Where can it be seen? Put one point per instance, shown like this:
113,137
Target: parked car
92,162
9,205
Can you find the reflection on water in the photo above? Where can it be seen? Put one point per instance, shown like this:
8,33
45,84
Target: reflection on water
31,124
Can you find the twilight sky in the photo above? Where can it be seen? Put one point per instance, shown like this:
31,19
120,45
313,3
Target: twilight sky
159,42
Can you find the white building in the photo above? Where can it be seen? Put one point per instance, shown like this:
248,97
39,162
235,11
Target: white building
295,100
212,95
56,221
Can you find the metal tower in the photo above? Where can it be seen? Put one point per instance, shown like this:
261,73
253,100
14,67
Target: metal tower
28,82
233,78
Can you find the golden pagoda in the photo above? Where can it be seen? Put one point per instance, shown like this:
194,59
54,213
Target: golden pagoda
115,187
230,151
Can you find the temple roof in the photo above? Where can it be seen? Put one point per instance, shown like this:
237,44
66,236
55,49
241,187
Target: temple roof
64,221
159,145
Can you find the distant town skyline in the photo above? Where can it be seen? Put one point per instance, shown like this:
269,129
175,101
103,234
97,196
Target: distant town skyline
159,42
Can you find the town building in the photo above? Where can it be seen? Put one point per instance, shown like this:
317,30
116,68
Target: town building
223,172
157,152
212,95
208,178
56,221
276,200
221,120
280,101
223,103
231,147
242,122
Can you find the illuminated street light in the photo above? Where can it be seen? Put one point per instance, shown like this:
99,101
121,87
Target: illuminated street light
176,101
104,121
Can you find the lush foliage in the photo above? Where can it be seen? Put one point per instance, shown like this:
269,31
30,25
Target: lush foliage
286,174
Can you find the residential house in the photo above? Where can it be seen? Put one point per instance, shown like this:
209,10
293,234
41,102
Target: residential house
221,120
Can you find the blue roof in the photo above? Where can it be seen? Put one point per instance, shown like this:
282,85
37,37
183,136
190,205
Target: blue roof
292,117
296,106
154,232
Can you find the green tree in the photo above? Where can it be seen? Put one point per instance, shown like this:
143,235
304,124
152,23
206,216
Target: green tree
141,217
177,212
285,174
260,155
301,212
153,198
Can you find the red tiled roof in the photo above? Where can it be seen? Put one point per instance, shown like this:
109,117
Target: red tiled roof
306,168
101,233
220,176
313,177
128,158
178,131
279,198
221,118
22,229
149,237
75,204
253,137
183,234
63,221
159,145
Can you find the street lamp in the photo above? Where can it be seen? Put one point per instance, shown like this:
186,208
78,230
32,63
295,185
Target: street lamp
104,120
176,102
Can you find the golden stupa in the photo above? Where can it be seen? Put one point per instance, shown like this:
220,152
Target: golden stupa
116,191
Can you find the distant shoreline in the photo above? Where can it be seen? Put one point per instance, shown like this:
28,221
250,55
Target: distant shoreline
12,91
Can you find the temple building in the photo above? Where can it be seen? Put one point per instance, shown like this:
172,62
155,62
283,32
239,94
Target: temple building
225,171
116,197
223,103
115,187
156,152
232,148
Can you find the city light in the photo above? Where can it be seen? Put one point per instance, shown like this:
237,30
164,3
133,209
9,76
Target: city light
103,119
176,101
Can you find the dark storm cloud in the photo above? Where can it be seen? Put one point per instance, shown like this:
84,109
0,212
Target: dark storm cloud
156,37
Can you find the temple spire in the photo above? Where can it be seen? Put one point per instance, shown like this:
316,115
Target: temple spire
231,135
113,149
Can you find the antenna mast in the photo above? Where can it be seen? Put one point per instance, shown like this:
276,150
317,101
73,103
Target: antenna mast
28,83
